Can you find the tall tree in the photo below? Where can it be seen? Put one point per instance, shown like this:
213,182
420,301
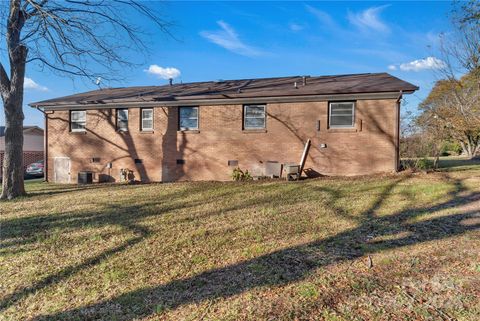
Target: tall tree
88,38
452,111
461,46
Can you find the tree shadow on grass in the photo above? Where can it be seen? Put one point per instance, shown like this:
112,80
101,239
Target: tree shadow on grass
29,229
25,230
280,267
449,163
62,189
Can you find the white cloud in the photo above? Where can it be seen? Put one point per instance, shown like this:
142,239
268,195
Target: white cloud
228,38
164,73
369,19
295,27
322,16
29,83
423,64
392,67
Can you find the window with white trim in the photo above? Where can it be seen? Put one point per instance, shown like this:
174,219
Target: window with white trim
78,120
341,115
122,119
253,116
188,118
147,119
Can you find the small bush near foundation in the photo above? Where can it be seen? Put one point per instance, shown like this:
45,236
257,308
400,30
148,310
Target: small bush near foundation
239,175
419,164
424,164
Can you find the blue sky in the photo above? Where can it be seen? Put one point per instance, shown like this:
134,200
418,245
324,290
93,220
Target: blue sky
229,40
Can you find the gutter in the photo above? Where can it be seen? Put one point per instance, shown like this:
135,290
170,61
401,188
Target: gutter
219,101
400,94
45,145
397,133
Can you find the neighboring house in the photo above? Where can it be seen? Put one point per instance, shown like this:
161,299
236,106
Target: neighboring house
202,131
32,145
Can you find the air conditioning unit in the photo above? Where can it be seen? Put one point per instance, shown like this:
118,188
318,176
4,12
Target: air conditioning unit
85,177
292,171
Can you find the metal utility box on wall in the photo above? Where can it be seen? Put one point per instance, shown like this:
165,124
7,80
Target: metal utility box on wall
273,169
292,171
85,177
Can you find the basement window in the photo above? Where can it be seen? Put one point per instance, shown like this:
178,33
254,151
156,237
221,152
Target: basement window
188,118
253,117
122,119
147,119
341,115
78,120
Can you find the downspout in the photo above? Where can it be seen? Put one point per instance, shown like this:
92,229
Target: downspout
397,133
45,145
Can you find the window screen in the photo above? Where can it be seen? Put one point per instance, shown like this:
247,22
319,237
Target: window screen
78,120
188,118
122,119
341,114
254,116
147,119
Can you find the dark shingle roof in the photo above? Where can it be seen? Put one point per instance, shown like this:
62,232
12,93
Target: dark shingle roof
243,88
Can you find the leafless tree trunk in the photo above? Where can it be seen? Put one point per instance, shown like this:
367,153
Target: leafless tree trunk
12,96
85,39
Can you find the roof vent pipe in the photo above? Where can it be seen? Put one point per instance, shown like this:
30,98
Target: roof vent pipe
295,85
304,79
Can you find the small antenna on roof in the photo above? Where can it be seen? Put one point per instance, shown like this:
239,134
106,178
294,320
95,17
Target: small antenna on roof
98,81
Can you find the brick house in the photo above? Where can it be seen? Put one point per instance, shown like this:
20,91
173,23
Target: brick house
201,131
32,145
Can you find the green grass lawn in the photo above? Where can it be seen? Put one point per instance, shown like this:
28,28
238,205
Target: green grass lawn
456,163
372,248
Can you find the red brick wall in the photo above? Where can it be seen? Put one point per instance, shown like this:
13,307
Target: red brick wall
28,158
367,148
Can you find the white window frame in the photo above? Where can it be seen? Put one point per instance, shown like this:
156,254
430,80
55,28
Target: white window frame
180,118
142,126
245,116
330,114
117,118
76,130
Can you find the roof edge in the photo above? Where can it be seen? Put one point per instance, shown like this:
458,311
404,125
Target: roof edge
82,99
231,101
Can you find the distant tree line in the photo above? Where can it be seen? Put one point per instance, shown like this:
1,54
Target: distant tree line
449,118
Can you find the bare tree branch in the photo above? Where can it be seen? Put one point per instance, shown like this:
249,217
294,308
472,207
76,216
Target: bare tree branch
95,36
4,82
85,39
